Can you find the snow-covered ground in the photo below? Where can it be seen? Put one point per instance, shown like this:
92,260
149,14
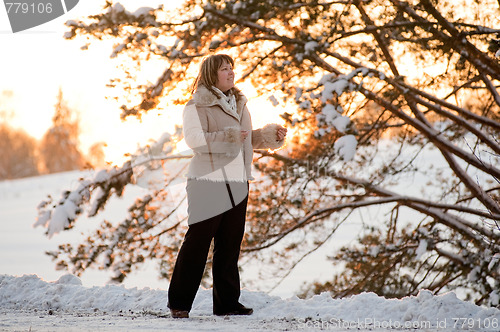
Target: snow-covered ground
31,304
35,297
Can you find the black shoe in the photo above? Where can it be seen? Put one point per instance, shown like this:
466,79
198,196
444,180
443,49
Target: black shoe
179,313
241,310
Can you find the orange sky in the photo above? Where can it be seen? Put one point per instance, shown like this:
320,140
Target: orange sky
34,64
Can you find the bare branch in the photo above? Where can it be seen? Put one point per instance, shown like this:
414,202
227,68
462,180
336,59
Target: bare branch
261,59
491,88
424,206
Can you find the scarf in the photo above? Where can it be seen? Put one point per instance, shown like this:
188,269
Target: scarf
228,102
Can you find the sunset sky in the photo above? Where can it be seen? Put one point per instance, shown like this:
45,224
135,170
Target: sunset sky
35,63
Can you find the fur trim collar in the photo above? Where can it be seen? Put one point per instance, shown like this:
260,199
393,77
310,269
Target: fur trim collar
203,97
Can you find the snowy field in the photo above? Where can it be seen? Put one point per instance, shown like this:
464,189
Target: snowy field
35,297
31,304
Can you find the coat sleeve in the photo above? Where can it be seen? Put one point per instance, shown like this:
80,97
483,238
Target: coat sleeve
198,138
265,138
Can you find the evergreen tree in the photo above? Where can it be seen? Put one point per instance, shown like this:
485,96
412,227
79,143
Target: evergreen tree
393,81
59,151
18,151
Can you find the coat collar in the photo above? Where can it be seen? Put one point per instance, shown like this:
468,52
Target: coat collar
203,97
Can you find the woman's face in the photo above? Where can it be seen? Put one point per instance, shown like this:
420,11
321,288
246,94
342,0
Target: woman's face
225,77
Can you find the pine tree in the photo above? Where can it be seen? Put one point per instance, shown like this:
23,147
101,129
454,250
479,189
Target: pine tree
59,147
19,153
393,81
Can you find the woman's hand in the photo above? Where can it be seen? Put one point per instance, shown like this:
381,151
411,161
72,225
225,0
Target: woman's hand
244,135
281,133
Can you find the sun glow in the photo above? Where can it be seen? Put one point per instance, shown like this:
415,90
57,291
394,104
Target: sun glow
83,76
40,61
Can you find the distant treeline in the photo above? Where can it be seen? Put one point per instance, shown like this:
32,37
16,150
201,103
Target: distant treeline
57,151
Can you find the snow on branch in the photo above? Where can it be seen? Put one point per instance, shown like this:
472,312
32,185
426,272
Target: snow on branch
95,192
115,15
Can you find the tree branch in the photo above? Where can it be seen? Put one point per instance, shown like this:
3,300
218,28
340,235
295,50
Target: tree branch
248,73
491,88
462,122
379,38
424,206
457,40
432,134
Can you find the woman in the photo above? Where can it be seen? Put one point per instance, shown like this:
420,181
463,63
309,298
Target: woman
217,126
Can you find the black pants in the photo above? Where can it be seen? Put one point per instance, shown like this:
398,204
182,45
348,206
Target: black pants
227,230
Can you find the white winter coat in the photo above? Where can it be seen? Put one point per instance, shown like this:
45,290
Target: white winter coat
213,132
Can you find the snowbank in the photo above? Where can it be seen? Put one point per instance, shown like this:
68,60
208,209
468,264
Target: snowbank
29,293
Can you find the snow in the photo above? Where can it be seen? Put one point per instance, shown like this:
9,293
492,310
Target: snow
339,86
495,297
273,100
332,116
157,148
117,50
341,123
97,195
494,260
345,146
26,303
117,8
59,219
310,46
64,213
305,105
298,93
330,113
422,248
374,251
143,11
237,7
327,77
101,176
117,13
473,275
29,301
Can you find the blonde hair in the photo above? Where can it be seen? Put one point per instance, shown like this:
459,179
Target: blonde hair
208,73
